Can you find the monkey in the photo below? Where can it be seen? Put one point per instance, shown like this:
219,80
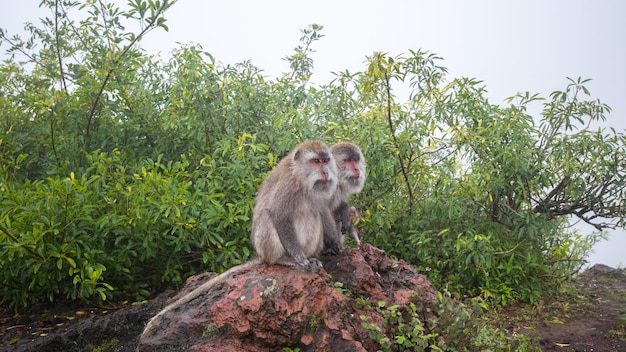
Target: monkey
290,217
351,175
291,214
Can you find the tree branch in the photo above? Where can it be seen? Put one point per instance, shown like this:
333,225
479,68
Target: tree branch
92,110
395,140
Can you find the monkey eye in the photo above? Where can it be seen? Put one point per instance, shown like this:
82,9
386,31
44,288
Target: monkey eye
319,160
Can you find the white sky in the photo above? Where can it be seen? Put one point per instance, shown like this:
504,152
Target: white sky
513,46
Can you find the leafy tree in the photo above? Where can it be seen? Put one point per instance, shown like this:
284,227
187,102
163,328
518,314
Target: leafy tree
484,192
122,173
70,99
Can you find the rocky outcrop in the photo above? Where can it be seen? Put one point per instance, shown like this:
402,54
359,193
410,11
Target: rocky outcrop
267,308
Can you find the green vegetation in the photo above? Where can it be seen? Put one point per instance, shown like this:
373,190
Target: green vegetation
450,326
122,173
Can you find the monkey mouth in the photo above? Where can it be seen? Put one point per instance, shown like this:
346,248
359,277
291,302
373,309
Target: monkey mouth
322,185
354,180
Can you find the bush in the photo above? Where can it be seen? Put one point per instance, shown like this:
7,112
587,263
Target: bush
121,174
86,237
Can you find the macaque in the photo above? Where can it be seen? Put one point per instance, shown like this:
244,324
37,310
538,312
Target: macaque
291,214
290,218
351,179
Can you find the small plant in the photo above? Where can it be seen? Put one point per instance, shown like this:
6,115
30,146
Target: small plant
450,326
363,304
620,328
403,329
495,340
339,288
210,332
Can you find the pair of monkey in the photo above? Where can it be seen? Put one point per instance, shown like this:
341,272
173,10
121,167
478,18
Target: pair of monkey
301,209
300,212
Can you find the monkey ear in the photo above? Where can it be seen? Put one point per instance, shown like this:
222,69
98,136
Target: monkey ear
296,155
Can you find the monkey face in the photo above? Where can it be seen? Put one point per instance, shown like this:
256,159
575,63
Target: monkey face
351,166
352,174
319,169
324,175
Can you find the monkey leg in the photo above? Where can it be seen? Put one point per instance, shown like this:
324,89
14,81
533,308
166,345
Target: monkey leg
332,248
333,235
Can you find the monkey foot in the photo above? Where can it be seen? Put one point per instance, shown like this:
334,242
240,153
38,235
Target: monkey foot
332,251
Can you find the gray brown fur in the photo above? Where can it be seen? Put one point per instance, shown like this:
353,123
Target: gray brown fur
348,184
291,213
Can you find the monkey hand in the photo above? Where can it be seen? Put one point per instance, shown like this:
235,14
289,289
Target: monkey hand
314,265
344,226
333,249
301,260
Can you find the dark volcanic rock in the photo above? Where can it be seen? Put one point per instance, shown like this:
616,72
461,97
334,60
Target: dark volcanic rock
365,276
120,328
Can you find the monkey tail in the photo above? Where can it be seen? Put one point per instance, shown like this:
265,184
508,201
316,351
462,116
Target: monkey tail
198,291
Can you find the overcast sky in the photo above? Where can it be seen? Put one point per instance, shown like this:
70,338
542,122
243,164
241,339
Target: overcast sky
513,46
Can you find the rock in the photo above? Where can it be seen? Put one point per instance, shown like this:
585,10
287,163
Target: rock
261,307
600,270
120,328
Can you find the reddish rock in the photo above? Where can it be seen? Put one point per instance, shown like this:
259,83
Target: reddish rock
266,308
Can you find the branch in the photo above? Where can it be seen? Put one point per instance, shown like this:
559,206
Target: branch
395,140
592,200
14,238
58,46
545,204
92,110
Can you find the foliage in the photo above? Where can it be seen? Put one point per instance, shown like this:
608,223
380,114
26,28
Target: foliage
84,236
122,172
483,195
450,328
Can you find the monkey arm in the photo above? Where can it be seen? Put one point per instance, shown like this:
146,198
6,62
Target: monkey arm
342,215
333,241
288,238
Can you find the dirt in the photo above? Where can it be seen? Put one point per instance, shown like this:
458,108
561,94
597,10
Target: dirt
593,318
69,326
589,317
